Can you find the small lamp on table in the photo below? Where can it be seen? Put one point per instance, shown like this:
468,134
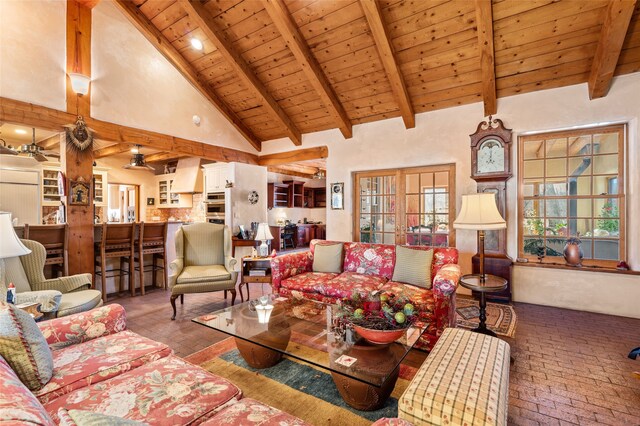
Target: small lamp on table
264,235
10,246
480,213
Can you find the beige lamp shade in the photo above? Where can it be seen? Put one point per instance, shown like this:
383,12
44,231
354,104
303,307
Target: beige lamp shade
479,212
10,244
263,232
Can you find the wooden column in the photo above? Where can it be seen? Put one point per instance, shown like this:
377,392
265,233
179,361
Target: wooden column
78,165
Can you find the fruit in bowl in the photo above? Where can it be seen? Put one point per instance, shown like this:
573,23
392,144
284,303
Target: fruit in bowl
378,318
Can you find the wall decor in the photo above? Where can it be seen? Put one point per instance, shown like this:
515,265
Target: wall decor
79,193
337,196
79,136
151,201
253,197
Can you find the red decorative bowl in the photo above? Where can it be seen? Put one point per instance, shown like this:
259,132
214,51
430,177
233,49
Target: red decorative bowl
379,337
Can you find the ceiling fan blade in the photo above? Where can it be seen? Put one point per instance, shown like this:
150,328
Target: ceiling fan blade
39,157
49,153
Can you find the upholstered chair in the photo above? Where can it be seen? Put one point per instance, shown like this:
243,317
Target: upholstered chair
58,296
203,262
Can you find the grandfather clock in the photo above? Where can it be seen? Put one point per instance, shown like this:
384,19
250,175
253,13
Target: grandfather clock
491,169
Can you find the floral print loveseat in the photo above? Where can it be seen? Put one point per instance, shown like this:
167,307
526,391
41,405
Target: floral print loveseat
369,267
101,367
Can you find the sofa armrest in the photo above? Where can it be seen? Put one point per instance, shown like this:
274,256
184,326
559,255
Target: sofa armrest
49,300
446,280
230,263
289,265
78,328
175,268
64,284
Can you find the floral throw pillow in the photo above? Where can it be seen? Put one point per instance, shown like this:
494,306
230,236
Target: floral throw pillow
24,347
89,418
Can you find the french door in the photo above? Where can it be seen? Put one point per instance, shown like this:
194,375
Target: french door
412,206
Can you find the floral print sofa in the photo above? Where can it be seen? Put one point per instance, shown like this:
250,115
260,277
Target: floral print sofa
101,367
369,267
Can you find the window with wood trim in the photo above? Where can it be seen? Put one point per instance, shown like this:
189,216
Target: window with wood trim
571,184
412,206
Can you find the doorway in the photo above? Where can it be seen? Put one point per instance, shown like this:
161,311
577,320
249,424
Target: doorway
124,203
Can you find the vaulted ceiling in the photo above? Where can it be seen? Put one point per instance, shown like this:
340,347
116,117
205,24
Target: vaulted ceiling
281,68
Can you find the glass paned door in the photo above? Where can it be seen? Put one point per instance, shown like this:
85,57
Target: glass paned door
405,206
425,217
376,204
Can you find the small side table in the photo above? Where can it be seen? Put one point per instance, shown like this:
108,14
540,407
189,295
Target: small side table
249,263
491,284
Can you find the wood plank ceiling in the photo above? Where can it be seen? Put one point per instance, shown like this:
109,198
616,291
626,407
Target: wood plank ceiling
281,86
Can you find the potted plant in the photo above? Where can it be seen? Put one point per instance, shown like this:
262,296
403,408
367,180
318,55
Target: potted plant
380,318
573,252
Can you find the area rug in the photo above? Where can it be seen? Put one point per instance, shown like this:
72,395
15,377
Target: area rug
501,318
298,388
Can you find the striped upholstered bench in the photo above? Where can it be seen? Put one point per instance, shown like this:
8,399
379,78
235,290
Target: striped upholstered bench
463,381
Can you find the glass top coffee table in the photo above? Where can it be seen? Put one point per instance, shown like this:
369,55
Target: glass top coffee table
364,373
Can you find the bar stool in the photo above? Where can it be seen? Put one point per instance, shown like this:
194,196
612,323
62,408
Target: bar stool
152,240
288,235
117,241
55,239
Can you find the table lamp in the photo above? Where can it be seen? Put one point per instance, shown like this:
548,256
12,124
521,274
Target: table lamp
480,212
263,235
10,246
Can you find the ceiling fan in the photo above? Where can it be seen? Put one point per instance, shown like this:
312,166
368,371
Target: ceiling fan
137,161
32,150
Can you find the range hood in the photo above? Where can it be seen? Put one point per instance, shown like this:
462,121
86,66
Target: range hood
188,179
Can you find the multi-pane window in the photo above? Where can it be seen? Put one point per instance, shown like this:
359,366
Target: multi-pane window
571,184
405,206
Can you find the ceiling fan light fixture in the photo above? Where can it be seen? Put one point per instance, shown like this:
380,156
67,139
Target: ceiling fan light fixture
137,162
320,174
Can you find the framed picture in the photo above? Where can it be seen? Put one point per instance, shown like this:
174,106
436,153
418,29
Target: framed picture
337,196
79,193
151,201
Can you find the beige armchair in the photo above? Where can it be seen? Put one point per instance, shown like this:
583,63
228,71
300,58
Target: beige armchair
58,296
203,262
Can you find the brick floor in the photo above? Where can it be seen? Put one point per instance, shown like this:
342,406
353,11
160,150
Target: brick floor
569,367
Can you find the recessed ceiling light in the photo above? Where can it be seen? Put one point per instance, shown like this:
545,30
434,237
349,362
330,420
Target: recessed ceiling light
21,131
197,44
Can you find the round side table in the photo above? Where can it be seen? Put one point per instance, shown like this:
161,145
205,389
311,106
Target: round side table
490,284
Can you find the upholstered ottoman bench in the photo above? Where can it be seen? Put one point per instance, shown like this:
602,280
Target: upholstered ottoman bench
463,381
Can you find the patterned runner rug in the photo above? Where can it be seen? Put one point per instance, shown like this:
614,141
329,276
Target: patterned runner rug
296,387
501,318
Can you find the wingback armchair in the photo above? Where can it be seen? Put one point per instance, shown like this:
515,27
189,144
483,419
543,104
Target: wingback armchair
58,297
203,262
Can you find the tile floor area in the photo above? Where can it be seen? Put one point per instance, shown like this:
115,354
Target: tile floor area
569,367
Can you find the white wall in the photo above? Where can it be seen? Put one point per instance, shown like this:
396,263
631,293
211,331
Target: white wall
443,137
134,85
32,52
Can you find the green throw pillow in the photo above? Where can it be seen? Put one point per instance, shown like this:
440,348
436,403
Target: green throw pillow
327,258
24,347
413,266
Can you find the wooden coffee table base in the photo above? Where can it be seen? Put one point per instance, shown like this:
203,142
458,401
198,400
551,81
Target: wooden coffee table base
362,396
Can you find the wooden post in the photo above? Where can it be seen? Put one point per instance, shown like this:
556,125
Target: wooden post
78,165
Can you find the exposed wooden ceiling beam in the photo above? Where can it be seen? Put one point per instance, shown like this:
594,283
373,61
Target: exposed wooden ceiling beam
379,32
51,142
300,168
160,42
484,20
283,171
293,156
203,19
162,156
45,118
116,149
279,13
614,30
90,4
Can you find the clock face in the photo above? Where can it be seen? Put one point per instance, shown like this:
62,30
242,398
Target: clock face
490,157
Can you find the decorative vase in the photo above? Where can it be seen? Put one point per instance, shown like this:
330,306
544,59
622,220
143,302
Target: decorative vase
573,253
379,337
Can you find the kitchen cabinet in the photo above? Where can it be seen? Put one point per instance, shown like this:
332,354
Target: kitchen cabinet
100,187
50,193
296,193
216,176
277,195
169,199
